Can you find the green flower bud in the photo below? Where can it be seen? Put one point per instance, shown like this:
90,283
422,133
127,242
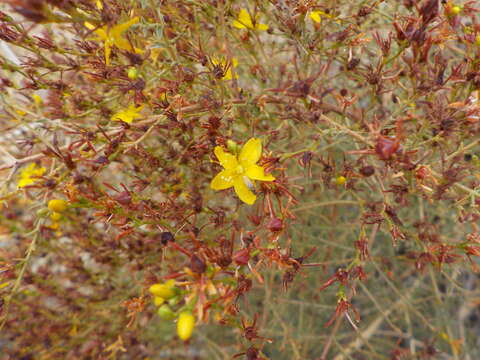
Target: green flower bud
43,212
165,312
232,146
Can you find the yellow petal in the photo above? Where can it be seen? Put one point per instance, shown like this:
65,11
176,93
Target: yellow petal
223,180
238,24
128,115
88,25
315,16
37,99
117,30
102,33
216,61
123,44
24,182
250,152
244,20
243,191
108,50
228,75
262,27
223,63
256,172
227,160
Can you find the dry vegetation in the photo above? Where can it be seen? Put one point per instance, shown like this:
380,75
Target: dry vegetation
343,224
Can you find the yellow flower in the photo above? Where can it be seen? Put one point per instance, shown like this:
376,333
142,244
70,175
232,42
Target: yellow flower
244,21
30,175
226,67
37,99
112,36
239,170
317,15
127,115
185,325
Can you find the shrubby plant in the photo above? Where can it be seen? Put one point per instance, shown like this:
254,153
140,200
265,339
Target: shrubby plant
239,179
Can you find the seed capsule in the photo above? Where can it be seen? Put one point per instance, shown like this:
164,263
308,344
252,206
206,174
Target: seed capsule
367,171
166,237
185,325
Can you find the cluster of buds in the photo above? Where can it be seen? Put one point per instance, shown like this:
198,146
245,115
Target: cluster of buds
168,296
54,210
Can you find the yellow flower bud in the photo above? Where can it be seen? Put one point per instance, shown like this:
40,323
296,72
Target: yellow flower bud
165,291
55,226
158,300
455,10
185,325
132,73
232,146
57,205
55,216
340,180
477,40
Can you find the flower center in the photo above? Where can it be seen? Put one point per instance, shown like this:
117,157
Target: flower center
239,169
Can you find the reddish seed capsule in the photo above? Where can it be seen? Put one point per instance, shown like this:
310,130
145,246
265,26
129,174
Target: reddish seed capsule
422,172
166,237
386,147
123,198
197,265
367,171
275,225
241,257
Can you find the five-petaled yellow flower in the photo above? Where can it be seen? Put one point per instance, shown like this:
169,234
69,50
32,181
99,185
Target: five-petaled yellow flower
244,21
112,36
128,115
239,170
30,174
226,67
